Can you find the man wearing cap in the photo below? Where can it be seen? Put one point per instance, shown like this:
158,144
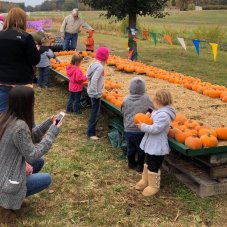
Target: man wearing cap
70,29
1,22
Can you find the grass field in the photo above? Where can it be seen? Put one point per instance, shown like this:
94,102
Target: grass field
91,187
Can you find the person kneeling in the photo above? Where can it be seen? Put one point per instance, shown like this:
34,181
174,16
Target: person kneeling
17,138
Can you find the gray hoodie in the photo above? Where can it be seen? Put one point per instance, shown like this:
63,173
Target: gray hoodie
155,140
95,75
137,102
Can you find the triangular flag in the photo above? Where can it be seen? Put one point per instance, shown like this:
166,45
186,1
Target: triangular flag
214,47
130,54
169,40
182,42
154,35
197,45
145,35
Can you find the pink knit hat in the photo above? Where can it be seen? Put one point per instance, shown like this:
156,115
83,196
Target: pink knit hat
102,54
1,18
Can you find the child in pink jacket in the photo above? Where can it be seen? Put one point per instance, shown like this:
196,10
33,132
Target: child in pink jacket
76,79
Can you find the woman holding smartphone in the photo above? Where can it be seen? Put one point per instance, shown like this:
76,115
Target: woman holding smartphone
20,143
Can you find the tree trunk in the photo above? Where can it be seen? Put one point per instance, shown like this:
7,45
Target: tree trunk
132,44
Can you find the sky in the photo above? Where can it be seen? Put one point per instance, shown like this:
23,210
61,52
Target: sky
27,2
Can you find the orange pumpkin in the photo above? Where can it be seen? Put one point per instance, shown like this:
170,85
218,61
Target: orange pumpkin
191,124
222,133
180,118
206,131
142,118
193,143
209,140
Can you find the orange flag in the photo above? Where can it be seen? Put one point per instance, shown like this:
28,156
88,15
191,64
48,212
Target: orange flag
145,35
130,54
169,40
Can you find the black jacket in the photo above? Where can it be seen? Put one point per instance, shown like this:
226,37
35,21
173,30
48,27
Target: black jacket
18,55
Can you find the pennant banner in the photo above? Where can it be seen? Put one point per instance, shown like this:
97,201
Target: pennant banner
214,47
182,42
169,40
154,35
197,45
130,54
145,35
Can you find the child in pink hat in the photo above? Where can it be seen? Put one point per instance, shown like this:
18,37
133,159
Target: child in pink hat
1,22
95,75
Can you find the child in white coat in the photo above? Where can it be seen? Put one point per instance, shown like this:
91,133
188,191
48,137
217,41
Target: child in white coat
155,142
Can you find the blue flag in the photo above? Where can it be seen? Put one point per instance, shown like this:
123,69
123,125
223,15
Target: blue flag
197,45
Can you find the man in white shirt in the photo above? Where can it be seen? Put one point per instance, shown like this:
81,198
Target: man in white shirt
70,29
1,22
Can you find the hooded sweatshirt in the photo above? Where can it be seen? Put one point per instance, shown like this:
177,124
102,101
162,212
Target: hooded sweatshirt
76,78
137,102
155,140
45,54
95,75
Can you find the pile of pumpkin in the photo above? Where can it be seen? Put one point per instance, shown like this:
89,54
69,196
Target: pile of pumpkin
72,52
189,132
191,83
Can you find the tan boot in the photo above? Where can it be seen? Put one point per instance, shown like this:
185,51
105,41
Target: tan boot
7,216
144,181
153,184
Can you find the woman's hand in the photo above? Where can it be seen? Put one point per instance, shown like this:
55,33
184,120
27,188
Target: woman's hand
53,118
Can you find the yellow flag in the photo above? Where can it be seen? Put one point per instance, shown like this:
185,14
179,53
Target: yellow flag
126,46
214,47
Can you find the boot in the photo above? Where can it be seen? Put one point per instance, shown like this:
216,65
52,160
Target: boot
140,164
132,164
153,184
7,216
144,181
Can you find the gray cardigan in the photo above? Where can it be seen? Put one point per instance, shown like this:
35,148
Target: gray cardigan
16,147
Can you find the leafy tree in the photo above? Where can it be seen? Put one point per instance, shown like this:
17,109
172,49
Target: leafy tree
131,9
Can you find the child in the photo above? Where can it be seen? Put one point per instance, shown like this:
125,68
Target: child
76,79
44,65
1,22
155,142
89,42
95,74
136,102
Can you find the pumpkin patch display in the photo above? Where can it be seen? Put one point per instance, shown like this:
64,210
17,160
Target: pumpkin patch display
142,118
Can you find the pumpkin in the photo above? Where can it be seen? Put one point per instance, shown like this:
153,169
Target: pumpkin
209,140
181,136
222,133
224,99
191,124
142,118
193,143
172,132
180,118
205,131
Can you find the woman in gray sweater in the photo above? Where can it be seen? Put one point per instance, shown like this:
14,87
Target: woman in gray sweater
20,143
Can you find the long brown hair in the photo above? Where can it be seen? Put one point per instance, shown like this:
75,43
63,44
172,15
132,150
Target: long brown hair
21,106
16,18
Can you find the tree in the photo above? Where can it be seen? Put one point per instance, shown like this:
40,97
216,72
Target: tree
131,9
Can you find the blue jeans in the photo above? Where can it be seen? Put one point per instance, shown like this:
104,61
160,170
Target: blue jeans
70,41
133,143
95,109
4,96
37,181
44,74
74,102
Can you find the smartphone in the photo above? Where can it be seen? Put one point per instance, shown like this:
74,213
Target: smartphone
60,118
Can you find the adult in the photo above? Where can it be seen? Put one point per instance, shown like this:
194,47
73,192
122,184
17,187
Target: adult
1,22
70,29
19,54
17,138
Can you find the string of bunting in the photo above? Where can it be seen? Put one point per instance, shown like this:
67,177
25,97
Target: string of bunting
181,40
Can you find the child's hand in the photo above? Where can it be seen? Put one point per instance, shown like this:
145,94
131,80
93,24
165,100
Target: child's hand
53,118
148,114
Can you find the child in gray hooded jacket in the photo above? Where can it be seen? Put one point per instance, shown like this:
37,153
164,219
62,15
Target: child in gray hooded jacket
155,142
95,75
136,102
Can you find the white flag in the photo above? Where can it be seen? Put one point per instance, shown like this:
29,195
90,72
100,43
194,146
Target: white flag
182,42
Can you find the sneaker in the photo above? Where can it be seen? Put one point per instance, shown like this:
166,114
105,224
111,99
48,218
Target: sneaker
139,168
94,137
